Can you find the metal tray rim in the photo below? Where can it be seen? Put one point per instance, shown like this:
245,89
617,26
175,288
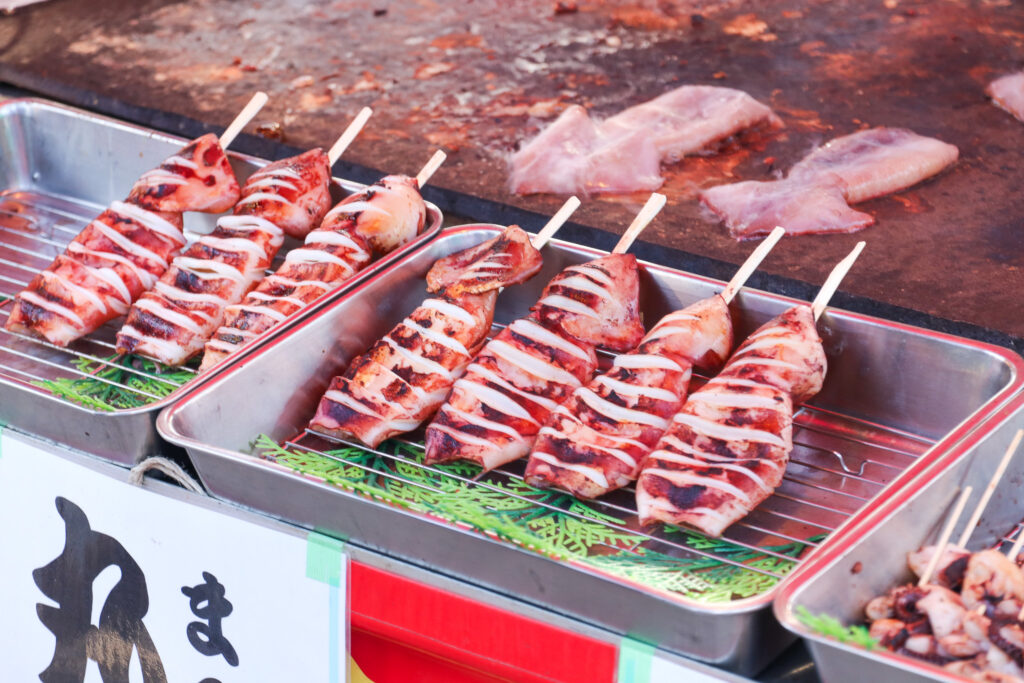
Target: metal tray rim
165,422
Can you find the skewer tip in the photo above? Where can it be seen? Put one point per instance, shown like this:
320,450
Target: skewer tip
351,132
556,222
247,114
655,203
834,279
430,167
947,531
752,263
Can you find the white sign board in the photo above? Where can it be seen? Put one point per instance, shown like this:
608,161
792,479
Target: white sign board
99,577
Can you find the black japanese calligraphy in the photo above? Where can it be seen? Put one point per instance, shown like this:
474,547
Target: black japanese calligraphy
68,581
207,602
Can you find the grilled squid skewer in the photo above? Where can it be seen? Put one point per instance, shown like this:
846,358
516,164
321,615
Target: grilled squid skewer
172,322
496,410
125,250
595,442
727,448
377,220
405,376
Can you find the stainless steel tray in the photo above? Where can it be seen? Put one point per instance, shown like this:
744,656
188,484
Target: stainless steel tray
870,557
885,410
59,167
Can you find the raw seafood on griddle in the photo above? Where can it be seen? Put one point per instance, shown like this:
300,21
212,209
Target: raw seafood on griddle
623,153
1008,93
815,197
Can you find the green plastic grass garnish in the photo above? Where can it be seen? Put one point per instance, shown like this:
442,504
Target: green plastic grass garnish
137,390
545,521
826,625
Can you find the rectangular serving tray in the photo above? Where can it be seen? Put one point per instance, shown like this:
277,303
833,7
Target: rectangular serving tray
871,557
885,411
59,168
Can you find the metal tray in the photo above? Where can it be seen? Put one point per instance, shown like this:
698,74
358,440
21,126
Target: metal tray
59,167
870,558
884,406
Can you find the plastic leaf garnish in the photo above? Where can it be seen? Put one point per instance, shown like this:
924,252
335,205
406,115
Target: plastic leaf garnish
831,627
545,521
98,392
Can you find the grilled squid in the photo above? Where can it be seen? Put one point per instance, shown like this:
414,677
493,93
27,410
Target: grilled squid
496,410
198,178
594,442
727,448
125,250
377,220
172,321
405,376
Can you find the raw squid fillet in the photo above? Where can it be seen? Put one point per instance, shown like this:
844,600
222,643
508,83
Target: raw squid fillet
815,198
574,155
753,209
876,162
1008,93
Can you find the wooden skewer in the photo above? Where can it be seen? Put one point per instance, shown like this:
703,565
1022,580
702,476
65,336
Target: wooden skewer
834,279
349,135
651,209
947,531
430,167
244,117
556,222
990,489
1015,550
751,264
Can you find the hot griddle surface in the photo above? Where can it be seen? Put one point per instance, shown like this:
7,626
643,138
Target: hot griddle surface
479,77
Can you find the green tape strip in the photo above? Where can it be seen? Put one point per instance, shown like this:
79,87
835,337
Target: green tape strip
634,661
323,558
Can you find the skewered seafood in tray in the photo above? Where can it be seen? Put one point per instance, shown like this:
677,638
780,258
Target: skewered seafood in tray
884,412
870,557
60,166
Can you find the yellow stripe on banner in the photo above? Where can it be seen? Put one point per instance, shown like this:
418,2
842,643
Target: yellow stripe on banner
355,674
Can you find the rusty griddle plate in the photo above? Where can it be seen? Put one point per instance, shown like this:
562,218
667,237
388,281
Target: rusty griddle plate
478,78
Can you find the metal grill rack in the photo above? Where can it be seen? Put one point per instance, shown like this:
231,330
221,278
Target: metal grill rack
837,465
35,228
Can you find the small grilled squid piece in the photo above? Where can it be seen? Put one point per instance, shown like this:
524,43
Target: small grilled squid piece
404,377
496,409
376,220
949,572
198,178
172,321
727,448
995,581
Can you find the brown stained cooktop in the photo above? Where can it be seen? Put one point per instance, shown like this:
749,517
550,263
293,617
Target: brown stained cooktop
479,77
